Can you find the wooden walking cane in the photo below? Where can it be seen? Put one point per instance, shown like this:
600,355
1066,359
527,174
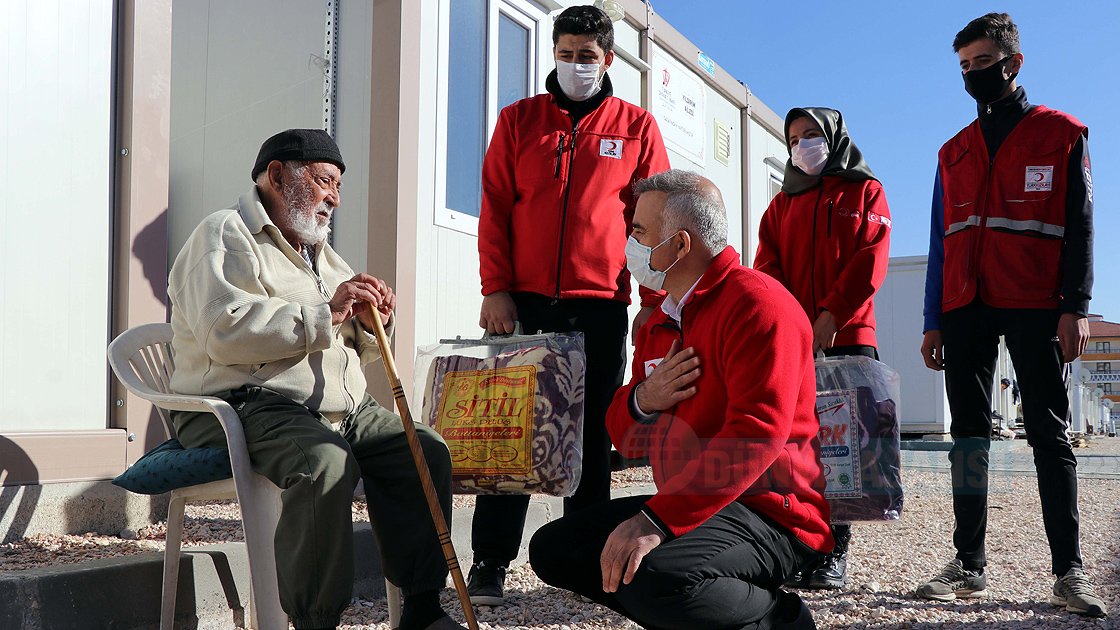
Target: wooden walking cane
422,468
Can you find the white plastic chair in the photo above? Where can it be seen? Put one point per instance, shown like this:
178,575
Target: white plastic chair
141,358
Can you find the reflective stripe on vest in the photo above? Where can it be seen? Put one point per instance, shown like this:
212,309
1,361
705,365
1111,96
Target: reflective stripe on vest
972,221
1048,229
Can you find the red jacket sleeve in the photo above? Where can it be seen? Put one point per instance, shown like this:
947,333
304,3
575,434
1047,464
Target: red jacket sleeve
630,437
653,160
764,361
766,258
865,271
499,193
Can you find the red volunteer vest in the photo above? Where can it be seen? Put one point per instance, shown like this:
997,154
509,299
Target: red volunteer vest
1005,223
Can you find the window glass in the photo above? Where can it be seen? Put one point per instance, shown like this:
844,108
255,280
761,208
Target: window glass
775,185
466,105
513,61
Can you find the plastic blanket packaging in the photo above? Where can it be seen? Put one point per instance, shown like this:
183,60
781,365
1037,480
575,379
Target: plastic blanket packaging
858,404
510,409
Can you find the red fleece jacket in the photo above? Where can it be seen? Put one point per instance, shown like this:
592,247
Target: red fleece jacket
830,247
750,432
557,201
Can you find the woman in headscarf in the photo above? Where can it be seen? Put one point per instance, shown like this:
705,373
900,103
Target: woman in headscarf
826,237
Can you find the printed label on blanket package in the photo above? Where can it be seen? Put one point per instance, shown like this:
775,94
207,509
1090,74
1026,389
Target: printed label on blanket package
839,444
486,418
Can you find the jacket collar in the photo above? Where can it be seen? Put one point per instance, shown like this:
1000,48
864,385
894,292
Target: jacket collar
252,212
578,109
1004,116
718,269
256,218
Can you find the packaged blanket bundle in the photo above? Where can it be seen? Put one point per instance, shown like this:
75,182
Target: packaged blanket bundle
857,402
510,410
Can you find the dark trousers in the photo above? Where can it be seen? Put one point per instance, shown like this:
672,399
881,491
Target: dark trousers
842,532
971,337
318,468
724,574
499,520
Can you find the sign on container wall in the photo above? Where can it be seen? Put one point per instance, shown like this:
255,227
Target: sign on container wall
679,103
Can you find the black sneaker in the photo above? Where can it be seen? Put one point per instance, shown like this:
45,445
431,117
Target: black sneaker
954,582
831,573
486,582
1074,591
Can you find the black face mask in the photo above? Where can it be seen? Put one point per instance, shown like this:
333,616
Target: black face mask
988,84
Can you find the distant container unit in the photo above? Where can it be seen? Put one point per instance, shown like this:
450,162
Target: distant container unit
924,408
924,405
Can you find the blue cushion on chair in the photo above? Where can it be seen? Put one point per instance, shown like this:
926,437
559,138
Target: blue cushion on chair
170,466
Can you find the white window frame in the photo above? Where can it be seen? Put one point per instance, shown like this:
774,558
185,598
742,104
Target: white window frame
775,174
526,13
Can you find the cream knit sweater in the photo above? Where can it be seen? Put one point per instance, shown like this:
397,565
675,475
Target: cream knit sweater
247,310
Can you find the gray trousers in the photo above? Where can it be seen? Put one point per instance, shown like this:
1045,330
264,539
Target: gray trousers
318,468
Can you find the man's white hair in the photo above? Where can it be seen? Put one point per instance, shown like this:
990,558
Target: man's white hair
690,205
293,167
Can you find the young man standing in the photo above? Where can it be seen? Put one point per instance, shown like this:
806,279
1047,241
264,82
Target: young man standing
1011,255
556,211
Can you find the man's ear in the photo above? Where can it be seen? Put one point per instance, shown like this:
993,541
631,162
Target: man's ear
608,59
275,170
1016,63
685,245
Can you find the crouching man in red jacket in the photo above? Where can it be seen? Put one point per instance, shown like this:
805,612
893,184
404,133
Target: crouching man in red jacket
721,400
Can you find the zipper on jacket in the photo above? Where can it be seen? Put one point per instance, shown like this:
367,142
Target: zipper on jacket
351,402
564,208
315,276
813,252
829,218
977,249
344,361
560,154
982,210
319,284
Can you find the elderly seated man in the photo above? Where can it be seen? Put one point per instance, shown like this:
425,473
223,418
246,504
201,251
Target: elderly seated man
722,400
268,317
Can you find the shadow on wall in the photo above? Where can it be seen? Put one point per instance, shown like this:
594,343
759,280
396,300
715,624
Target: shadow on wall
150,248
19,491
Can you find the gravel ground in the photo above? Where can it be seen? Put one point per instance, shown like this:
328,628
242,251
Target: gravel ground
887,562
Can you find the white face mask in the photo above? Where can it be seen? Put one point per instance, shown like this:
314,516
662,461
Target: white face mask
639,261
580,81
810,154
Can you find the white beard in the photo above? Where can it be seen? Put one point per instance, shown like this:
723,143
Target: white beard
308,225
304,220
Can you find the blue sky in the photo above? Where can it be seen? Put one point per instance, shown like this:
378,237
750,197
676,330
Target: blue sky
890,68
